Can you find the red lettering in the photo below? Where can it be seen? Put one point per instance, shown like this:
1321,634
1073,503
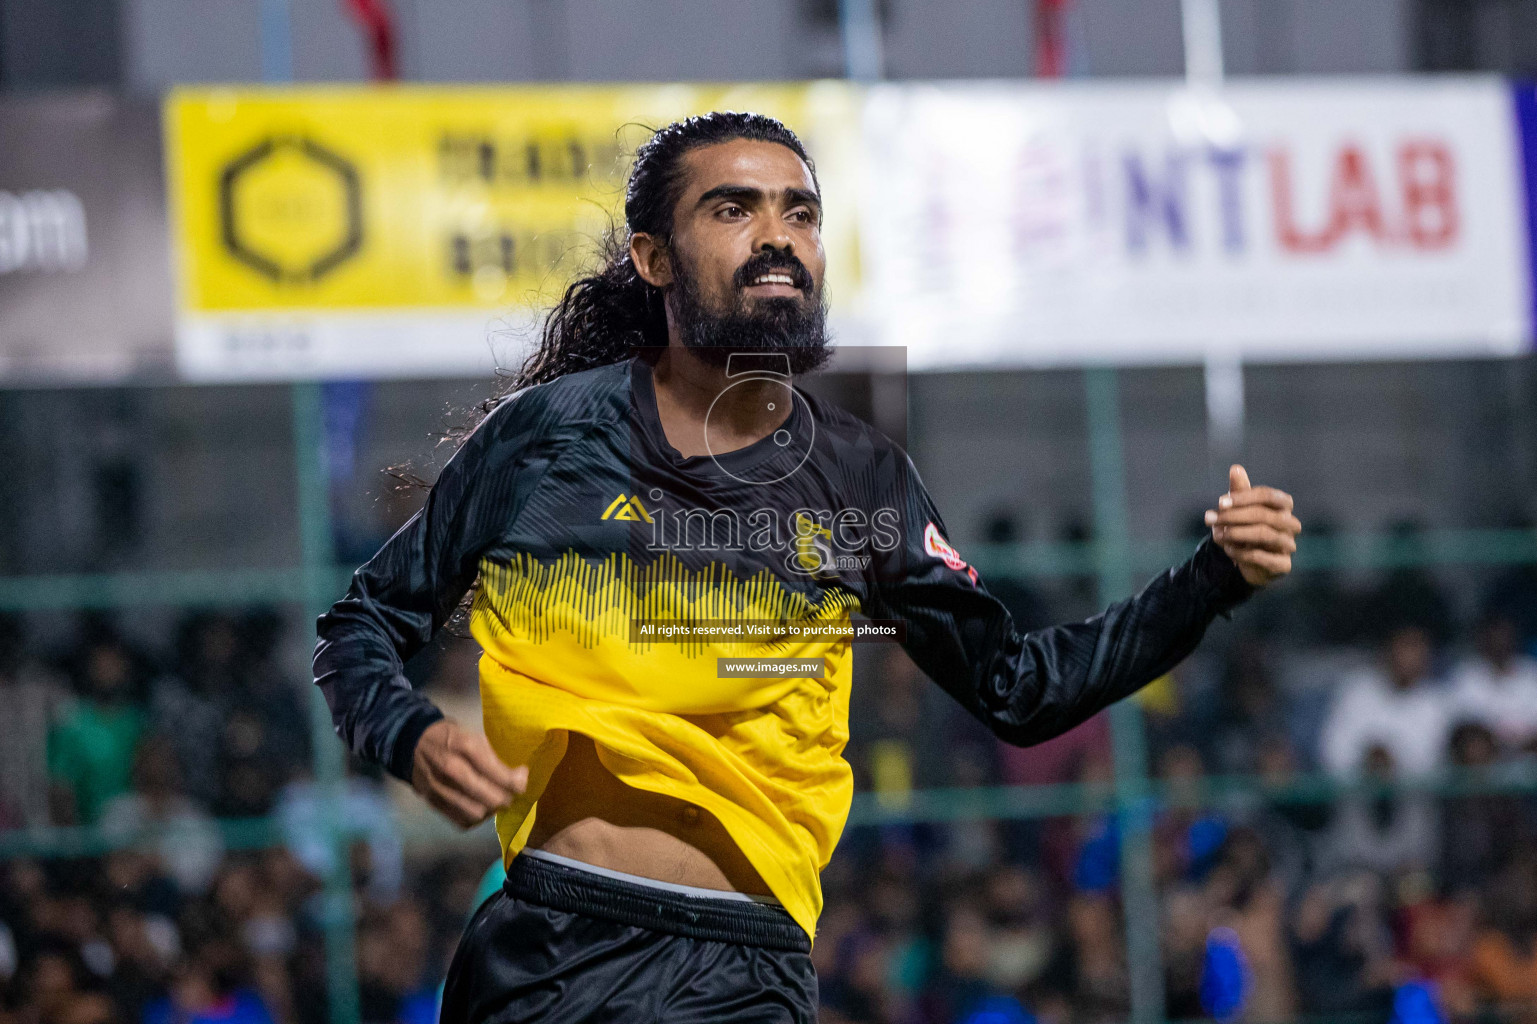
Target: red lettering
1353,203
1428,174
1292,237
1353,198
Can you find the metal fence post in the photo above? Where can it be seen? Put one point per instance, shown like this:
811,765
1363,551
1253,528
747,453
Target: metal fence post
329,758
1112,548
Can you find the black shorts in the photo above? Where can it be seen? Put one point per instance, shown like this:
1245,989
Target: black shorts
559,945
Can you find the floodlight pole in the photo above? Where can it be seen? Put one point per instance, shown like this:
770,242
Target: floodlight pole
1141,907
277,41
1201,21
861,30
1112,548
327,759
1205,73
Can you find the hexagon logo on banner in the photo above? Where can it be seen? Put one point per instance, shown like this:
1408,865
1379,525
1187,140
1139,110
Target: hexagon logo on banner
291,209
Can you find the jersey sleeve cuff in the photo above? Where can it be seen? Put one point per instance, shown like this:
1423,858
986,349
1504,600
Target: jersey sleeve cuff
403,753
1219,578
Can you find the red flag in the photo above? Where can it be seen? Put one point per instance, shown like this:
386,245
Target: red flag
1051,38
378,24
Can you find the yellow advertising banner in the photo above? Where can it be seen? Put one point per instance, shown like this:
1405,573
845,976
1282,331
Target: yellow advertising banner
309,222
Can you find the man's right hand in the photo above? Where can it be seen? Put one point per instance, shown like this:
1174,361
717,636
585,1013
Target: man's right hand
456,771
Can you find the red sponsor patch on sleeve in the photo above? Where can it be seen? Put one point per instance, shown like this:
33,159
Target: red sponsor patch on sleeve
940,548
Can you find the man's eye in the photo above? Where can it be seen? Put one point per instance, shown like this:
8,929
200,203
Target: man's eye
733,211
803,216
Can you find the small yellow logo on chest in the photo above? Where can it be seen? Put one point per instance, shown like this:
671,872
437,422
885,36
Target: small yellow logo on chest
627,510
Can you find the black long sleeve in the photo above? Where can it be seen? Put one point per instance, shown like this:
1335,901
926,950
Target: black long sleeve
406,592
1030,687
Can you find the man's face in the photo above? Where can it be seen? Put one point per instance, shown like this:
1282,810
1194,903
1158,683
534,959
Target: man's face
746,254
1409,656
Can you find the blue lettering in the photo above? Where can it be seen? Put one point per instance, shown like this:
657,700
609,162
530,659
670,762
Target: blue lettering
1228,165
1150,202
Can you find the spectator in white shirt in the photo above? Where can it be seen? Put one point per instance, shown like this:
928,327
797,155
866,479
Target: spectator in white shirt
1395,707
1385,834
1497,688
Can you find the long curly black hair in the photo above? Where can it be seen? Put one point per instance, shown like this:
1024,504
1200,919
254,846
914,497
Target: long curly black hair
601,318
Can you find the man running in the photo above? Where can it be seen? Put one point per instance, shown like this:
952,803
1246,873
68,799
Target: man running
666,541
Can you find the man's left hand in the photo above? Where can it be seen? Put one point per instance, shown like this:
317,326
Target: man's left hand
1256,528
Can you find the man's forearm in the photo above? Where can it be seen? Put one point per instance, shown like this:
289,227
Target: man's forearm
373,707
1041,684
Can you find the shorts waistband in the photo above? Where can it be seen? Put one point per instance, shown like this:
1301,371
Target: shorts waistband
575,891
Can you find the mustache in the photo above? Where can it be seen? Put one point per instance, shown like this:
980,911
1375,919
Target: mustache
770,261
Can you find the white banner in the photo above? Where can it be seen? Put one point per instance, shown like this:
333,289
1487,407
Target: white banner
1018,224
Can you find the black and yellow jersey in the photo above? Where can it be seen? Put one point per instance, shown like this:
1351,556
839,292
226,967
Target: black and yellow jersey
590,535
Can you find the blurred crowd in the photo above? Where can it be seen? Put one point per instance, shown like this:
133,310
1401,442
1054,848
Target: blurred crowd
1375,864
1372,902
194,768
118,939
102,731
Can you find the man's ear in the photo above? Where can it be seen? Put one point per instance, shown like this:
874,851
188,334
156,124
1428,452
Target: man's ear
652,261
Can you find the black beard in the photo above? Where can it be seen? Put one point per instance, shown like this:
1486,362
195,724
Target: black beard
797,328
